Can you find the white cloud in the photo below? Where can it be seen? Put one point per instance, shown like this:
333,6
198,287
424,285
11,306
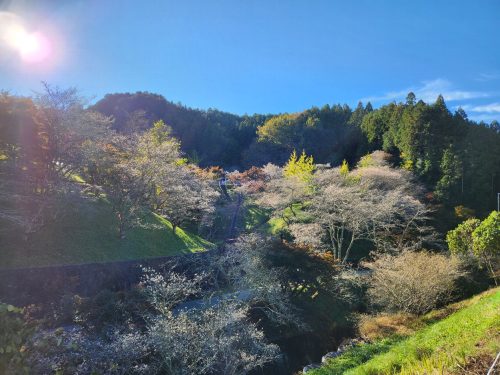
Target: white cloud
485,108
485,77
486,117
428,91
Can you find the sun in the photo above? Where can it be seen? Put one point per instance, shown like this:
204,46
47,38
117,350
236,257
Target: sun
32,47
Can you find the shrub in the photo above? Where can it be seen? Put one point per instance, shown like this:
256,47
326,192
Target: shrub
460,239
13,335
413,282
73,350
486,242
479,240
463,212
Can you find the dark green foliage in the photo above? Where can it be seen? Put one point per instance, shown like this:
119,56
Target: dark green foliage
212,137
329,134
13,335
457,158
448,186
324,298
209,137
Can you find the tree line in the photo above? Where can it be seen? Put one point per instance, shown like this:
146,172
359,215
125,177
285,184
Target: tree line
370,209
457,159
49,142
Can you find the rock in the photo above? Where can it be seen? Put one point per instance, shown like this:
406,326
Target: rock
345,345
310,367
330,355
349,343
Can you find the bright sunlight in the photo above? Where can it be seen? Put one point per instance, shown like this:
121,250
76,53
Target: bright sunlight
32,47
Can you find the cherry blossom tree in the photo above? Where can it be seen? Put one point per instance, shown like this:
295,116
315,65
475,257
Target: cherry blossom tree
379,204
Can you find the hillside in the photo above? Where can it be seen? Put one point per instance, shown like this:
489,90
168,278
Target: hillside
456,158
210,137
85,232
249,187
451,340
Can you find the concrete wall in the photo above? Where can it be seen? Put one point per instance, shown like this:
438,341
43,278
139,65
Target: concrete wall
24,286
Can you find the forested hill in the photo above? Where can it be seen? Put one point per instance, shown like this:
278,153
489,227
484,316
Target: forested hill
212,137
208,137
458,159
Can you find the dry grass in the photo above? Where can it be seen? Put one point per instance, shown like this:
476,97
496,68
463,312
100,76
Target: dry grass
481,362
373,327
478,366
384,325
463,342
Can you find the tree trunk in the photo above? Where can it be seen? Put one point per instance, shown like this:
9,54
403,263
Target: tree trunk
121,227
492,271
348,249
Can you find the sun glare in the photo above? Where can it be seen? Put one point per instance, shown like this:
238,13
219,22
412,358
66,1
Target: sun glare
32,47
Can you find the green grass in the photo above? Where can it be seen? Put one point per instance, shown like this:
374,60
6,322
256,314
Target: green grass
255,217
438,347
277,224
87,232
258,218
356,356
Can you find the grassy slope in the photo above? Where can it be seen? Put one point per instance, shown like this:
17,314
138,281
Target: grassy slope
255,218
258,218
438,347
278,224
87,232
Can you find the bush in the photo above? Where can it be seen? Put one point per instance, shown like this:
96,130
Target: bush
13,335
413,282
479,240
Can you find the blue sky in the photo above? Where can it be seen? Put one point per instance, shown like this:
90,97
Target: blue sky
267,56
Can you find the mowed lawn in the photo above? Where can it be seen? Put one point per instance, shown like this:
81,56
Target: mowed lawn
85,231
440,347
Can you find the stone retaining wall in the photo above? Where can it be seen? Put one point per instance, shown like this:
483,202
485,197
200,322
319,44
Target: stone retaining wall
24,286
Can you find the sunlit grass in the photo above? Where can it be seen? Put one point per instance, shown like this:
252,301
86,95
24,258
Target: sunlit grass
86,232
77,178
255,217
258,218
278,224
440,347
356,356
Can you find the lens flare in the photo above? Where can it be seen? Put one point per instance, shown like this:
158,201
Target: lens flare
32,47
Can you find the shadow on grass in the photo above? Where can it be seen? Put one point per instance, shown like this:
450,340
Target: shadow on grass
86,232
